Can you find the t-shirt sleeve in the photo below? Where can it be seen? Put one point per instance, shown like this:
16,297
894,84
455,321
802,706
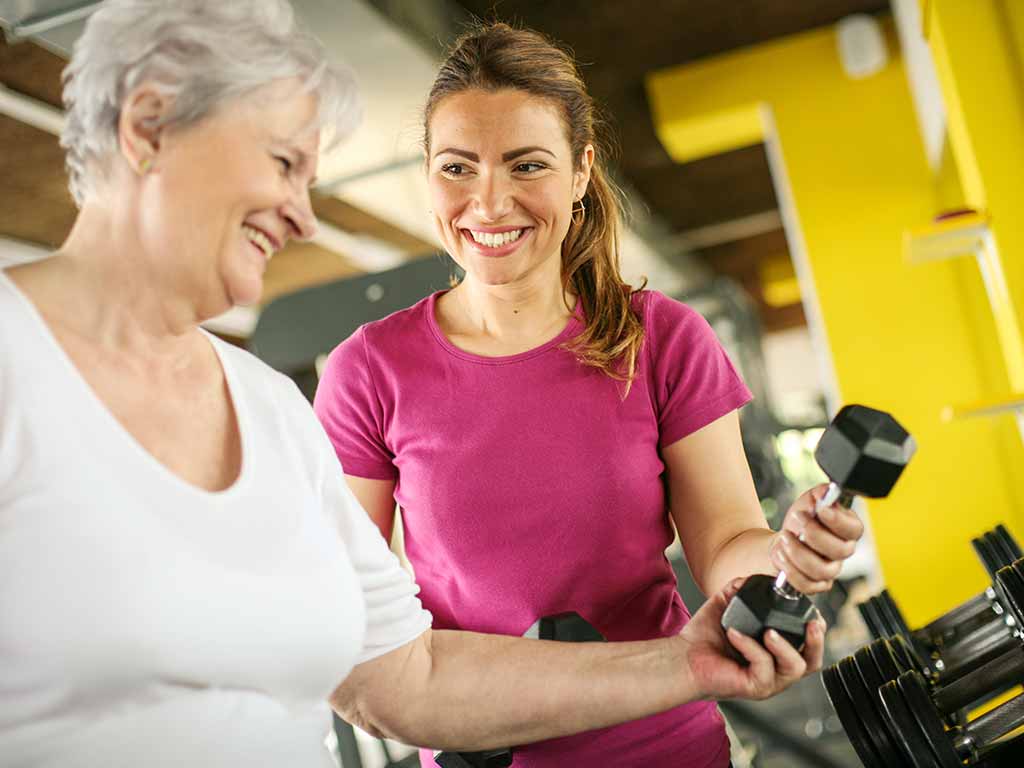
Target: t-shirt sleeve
394,614
348,406
693,381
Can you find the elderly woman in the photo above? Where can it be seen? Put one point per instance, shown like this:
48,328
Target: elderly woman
185,579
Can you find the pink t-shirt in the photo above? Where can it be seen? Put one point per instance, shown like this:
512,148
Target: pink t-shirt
529,487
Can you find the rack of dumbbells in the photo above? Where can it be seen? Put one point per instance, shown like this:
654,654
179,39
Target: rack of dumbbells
903,699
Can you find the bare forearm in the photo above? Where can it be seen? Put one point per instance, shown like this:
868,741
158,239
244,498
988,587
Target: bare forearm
742,555
483,691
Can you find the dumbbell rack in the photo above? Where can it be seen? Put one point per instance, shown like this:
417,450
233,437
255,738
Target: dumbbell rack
903,699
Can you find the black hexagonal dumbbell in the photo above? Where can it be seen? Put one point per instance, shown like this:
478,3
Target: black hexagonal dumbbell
863,452
564,627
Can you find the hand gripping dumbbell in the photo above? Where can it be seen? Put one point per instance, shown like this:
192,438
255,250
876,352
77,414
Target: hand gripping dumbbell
863,452
898,717
564,627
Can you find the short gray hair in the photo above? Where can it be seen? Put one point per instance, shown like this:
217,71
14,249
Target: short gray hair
201,52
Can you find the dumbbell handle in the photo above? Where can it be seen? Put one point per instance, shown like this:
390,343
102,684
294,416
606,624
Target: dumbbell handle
1007,668
972,652
976,610
984,730
834,495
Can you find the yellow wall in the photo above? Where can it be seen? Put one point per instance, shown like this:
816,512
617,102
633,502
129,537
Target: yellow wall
905,338
978,46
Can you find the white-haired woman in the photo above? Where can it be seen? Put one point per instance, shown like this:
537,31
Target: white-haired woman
184,578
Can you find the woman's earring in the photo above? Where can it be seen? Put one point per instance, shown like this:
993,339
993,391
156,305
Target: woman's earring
144,165
579,213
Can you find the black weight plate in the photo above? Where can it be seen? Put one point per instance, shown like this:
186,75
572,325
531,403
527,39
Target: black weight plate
913,743
843,704
1009,585
869,712
892,627
907,655
915,693
865,658
870,706
988,558
1007,753
869,613
893,611
885,659
1009,542
1018,568
1003,555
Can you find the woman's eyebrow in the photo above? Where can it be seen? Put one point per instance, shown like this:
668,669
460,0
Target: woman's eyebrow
472,156
513,154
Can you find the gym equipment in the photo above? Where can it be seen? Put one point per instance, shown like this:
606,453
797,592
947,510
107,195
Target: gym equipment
325,315
965,638
863,452
563,627
898,716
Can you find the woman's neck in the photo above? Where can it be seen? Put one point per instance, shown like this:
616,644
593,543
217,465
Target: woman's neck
100,285
504,319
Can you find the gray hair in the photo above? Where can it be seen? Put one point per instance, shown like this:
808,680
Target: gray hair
200,52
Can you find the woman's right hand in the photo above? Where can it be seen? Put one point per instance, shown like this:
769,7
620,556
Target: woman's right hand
771,667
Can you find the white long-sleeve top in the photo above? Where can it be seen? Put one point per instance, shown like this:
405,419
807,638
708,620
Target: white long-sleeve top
146,622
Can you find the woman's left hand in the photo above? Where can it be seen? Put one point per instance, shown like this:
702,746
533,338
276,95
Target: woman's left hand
811,547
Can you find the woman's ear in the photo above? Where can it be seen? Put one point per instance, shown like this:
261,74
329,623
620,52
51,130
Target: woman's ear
581,179
141,125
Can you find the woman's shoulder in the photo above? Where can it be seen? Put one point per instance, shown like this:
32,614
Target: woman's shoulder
396,333
657,311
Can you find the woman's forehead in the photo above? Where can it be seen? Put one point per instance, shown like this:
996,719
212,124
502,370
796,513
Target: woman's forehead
498,116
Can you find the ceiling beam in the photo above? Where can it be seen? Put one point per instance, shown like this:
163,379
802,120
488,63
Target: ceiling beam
31,111
728,231
37,24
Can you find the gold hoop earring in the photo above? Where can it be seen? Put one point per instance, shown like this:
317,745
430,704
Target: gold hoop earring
578,214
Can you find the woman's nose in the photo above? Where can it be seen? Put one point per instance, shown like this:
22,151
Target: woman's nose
493,198
298,212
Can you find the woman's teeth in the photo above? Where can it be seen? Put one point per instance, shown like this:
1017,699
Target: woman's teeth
260,240
496,239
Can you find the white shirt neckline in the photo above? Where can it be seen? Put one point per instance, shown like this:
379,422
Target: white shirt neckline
133,446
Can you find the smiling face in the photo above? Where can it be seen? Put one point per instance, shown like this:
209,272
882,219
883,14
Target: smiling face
502,182
233,189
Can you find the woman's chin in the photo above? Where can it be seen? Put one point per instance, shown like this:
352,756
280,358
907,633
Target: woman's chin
246,293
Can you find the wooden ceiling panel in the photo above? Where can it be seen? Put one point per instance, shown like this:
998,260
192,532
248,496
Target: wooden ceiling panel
617,41
356,221
37,206
32,70
742,256
301,265
709,191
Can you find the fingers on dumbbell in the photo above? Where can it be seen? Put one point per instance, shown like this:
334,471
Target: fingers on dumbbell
801,581
825,542
806,559
814,644
760,670
789,664
841,522
816,494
